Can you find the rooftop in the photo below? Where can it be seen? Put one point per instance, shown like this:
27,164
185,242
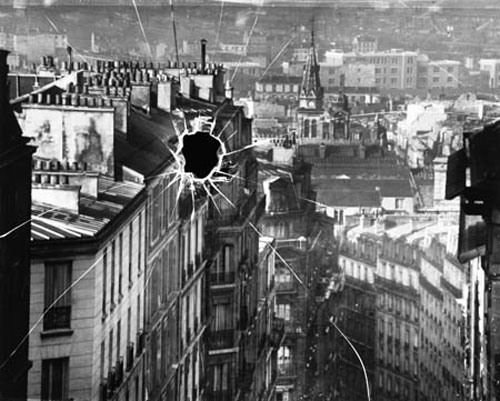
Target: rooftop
387,187
50,223
359,198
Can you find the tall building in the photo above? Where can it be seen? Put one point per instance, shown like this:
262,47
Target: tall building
15,214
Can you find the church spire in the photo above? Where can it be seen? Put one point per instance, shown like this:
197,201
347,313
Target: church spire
311,93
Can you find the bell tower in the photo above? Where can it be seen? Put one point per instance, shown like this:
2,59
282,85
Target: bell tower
311,93
15,215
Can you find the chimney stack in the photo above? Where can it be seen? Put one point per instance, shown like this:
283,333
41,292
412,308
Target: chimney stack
70,58
228,90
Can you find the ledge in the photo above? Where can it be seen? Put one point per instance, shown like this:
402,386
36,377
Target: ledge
56,333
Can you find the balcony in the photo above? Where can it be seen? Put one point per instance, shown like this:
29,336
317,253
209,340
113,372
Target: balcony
221,339
222,278
57,317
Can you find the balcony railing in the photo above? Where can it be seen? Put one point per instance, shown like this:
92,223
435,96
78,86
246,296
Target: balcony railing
299,243
221,339
222,277
57,317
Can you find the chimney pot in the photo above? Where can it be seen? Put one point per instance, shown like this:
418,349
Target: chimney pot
40,98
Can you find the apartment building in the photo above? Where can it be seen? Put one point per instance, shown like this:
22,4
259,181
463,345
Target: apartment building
437,74
492,67
88,244
392,69
234,239
415,350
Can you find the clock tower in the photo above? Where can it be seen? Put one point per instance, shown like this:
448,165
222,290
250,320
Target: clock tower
15,215
313,122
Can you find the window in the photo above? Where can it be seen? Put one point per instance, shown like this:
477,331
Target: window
103,360
283,311
435,79
120,265
104,279
129,319
156,211
112,273
449,79
57,296
306,129
227,258
222,317
284,356
130,253
110,350
314,128
436,69
220,380
394,70
118,339
139,243
55,379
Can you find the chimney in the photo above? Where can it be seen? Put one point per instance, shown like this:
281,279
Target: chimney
70,58
203,55
228,90
186,86
166,96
